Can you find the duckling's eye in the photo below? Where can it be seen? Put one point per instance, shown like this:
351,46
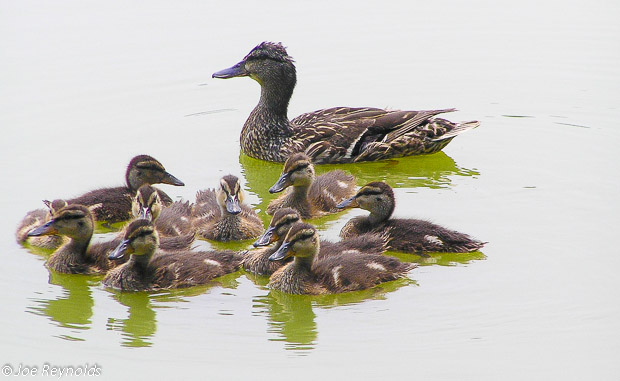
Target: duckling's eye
81,223
379,199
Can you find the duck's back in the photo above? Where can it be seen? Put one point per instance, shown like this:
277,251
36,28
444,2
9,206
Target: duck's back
34,219
368,243
191,268
329,189
257,261
175,220
347,272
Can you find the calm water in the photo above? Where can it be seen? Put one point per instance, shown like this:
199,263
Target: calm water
86,86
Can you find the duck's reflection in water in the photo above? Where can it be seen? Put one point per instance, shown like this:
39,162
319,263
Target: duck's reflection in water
441,259
431,171
73,308
140,325
291,318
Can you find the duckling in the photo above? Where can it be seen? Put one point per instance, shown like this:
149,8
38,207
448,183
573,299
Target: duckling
114,204
173,220
36,218
333,274
148,270
310,195
221,215
406,235
333,135
77,255
257,261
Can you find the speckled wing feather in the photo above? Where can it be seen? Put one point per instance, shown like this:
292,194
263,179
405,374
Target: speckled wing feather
175,219
331,188
206,206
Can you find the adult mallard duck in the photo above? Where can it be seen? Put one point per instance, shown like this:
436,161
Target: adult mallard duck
406,235
311,196
333,274
257,261
114,204
221,215
334,135
36,218
148,270
77,255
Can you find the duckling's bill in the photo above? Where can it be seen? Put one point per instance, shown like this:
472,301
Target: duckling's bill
120,251
282,253
235,71
170,179
267,238
348,203
232,205
46,229
282,183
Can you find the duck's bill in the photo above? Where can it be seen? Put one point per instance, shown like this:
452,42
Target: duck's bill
145,214
120,250
235,71
282,253
169,179
281,184
348,203
232,205
46,229
266,238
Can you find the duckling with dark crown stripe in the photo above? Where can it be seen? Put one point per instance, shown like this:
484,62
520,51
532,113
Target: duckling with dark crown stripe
405,235
170,221
333,274
257,261
334,135
77,255
114,204
36,218
311,196
148,270
221,215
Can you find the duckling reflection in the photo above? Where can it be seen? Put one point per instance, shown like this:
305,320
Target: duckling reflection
72,308
429,171
141,324
292,318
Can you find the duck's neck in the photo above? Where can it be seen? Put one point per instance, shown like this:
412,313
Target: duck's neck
380,214
268,128
139,262
71,254
298,199
305,263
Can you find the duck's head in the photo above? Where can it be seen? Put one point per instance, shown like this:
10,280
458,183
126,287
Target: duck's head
147,204
301,241
280,224
376,197
73,221
140,239
229,194
54,206
298,171
267,63
145,169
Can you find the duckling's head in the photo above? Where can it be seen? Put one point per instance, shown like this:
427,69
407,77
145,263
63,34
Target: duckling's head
302,241
140,239
55,205
147,204
268,63
298,171
145,169
376,197
230,195
280,224
73,221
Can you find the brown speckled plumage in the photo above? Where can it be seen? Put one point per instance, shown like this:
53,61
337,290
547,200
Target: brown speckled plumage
310,195
332,274
36,218
334,135
221,215
148,270
406,235
170,221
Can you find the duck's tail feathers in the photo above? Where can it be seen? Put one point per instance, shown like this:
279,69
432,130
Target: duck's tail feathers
459,129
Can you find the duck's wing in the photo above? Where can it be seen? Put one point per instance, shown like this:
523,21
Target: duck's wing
345,134
206,205
175,219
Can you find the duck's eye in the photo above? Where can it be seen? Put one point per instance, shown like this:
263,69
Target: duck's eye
379,199
81,223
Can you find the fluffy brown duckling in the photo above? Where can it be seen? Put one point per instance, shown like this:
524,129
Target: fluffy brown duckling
114,204
406,235
170,221
257,261
333,274
310,195
221,215
77,255
36,218
147,270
